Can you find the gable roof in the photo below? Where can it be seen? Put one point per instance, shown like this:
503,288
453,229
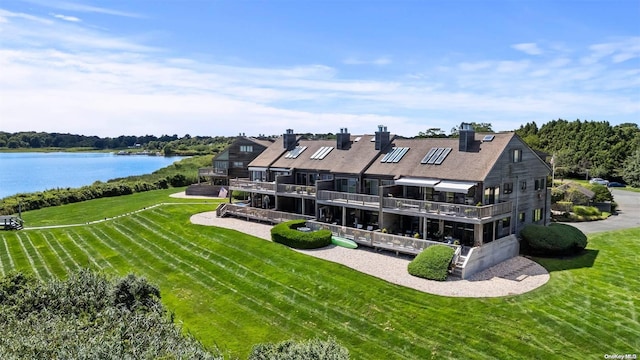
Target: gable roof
274,151
353,160
473,165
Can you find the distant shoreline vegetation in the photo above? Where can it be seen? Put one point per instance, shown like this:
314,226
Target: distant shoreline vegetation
178,174
31,141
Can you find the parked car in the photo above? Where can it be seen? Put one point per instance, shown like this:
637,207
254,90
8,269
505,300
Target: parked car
616,184
599,181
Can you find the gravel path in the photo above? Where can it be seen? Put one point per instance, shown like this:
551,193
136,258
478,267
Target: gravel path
512,277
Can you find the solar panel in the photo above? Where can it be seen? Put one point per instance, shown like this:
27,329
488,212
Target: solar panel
315,154
399,156
442,156
295,152
388,155
395,155
325,151
429,154
435,155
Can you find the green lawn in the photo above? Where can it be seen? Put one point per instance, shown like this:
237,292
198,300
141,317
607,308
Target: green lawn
234,290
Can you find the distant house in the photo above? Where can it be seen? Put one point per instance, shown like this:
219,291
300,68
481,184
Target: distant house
469,190
231,163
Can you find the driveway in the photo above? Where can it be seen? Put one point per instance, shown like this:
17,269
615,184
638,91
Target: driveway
628,215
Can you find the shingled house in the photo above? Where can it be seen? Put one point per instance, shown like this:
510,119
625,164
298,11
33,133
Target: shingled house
231,163
469,190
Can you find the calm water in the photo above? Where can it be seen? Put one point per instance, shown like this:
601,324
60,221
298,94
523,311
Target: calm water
30,172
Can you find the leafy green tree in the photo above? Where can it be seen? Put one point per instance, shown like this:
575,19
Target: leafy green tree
432,133
631,170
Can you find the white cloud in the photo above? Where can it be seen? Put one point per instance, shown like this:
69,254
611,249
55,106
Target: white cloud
72,6
377,61
528,48
65,17
62,76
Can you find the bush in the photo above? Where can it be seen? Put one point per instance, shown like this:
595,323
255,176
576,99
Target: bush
286,233
79,318
586,211
312,349
555,239
432,263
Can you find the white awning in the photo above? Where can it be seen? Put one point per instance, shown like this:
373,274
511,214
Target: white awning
454,186
257,168
407,181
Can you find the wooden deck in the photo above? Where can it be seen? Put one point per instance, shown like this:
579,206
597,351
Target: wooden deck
11,222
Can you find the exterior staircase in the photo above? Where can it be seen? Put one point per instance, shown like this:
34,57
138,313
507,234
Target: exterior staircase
11,223
458,266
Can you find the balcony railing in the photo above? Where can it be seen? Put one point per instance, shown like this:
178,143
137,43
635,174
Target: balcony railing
447,209
248,185
380,240
349,198
212,172
297,189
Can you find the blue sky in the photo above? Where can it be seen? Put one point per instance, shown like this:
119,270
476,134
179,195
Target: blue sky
211,68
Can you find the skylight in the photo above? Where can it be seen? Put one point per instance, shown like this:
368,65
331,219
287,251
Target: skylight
295,152
321,153
395,155
436,156
488,138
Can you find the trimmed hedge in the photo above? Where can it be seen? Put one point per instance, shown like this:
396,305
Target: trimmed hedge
552,240
286,233
432,263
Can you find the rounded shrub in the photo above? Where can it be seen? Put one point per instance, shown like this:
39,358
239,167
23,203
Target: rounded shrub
286,233
552,240
432,263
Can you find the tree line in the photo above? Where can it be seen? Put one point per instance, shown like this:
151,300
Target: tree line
169,144
586,149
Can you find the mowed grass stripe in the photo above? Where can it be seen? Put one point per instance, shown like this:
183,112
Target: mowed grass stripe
94,245
44,264
49,254
91,261
57,243
169,255
211,287
288,296
6,262
287,306
35,268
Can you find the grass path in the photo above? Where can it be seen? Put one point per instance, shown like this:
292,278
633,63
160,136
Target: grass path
233,290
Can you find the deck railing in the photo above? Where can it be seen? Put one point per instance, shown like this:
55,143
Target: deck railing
461,210
380,240
349,198
248,185
209,171
297,189
253,213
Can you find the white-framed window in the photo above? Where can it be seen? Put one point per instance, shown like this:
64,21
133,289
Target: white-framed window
238,164
246,148
516,155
